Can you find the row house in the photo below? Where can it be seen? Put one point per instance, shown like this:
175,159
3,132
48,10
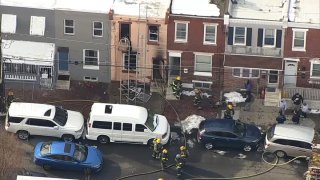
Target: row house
195,43
254,43
301,50
49,43
139,39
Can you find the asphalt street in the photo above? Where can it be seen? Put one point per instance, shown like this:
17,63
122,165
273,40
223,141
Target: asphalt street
123,160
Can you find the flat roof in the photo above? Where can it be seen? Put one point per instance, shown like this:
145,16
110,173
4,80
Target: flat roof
273,10
30,109
28,52
196,8
93,6
120,110
303,11
293,131
146,8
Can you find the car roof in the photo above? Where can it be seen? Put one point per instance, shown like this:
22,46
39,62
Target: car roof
22,109
219,124
294,132
61,147
131,113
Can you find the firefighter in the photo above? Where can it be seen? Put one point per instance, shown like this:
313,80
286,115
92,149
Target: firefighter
179,164
10,97
164,158
184,154
197,98
229,112
177,87
156,148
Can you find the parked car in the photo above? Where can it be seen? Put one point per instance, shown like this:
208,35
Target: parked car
289,140
68,156
25,172
228,133
27,119
126,123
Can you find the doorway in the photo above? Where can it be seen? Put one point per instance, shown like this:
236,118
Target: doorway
290,73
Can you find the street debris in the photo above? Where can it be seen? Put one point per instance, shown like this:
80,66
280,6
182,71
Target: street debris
241,156
191,122
192,93
190,143
220,152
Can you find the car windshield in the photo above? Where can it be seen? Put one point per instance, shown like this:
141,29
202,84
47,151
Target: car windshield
240,128
60,116
152,121
45,148
80,152
270,132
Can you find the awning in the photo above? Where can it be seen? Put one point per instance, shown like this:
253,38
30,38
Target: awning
8,23
253,62
27,52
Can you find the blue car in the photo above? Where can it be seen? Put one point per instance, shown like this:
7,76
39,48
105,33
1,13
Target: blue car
229,133
68,156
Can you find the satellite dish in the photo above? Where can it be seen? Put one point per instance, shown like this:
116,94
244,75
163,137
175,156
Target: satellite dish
124,44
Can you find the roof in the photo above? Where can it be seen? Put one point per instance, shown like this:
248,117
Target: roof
121,110
196,8
93,6
30,109
221,124
304,11
259,9
295,132
253,62
24,52
147,8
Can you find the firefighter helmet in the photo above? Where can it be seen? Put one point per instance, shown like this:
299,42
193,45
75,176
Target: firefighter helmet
164,151
230,106
182,148
158,140
178,78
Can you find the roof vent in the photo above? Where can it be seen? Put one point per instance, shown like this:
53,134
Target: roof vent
234,1
108,109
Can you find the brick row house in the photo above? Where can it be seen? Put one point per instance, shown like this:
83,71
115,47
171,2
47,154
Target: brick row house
301,50
195,43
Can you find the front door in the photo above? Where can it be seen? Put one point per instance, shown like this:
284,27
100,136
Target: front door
174,66
63,56
290,73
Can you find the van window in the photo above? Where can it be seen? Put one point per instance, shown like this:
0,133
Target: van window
140,128
12,119
151,123
300,144
102,125
281,141
116,126
40,122
127,127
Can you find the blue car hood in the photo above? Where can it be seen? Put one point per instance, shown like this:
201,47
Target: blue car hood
253,132
94,157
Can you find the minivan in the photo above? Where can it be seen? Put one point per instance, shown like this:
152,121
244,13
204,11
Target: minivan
27,119
126,123
289,140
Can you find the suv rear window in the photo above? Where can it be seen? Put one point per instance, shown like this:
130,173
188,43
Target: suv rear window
12,119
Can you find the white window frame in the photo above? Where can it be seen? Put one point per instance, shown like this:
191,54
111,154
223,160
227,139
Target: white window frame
175,32
198,73
149,33
275,38
93,67
250,72
97,29
202,82
123,61
205,25
89,78
35,23
65,26
273,74
312,62
304,41
234,36
9,23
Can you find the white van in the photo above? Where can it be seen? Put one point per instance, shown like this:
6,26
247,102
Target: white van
126,123
45,120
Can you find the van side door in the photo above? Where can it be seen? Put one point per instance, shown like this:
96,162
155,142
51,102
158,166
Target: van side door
300,148
117,131
127,133
142,133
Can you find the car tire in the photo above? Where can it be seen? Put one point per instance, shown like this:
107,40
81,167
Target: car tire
103,139
23,135
280,154
67,138
208,146
87,171
46,167
247,148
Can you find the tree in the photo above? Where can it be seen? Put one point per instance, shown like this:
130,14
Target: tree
11,155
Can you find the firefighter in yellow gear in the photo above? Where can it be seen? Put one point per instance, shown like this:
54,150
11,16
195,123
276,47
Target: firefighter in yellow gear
179,165
164,158
184,154
156,148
